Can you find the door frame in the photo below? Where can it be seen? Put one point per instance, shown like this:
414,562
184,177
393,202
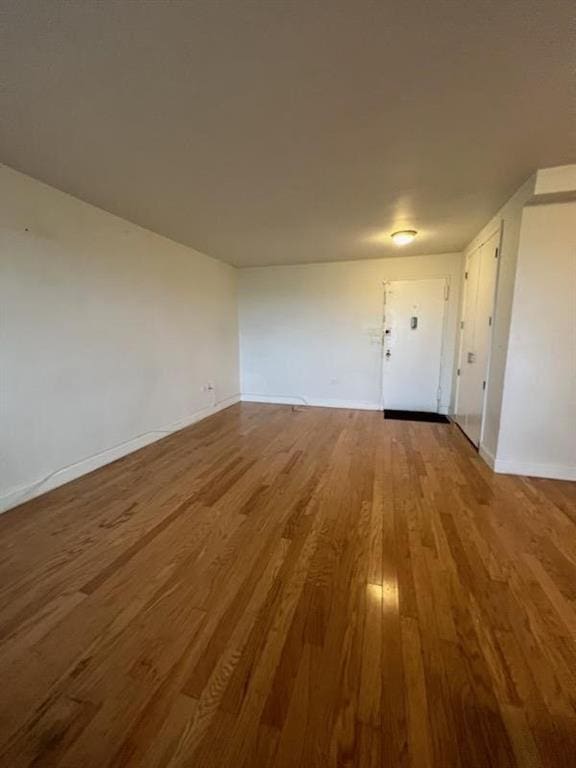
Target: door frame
497,230
447,293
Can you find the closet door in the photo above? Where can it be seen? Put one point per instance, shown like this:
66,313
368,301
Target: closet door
480,288
465,398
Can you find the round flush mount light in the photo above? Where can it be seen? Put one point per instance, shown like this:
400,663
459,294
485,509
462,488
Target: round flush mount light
404,236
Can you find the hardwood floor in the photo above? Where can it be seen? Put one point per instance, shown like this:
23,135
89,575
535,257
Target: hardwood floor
278,587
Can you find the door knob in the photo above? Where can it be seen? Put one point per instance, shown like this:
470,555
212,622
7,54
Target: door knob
388,353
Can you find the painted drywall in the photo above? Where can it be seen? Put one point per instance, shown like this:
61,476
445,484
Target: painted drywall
278,131
508,220
554,181
312,333
538,425
109,334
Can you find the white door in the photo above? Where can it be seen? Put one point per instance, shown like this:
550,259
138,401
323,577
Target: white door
479,294
413,330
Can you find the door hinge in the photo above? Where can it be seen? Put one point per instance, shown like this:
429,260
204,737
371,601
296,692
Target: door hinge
496,253
461,324
483,385
446,292
465,275
458,372
490,320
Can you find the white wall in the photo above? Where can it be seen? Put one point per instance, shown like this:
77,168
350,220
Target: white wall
538,426
557,180
108,333
307,331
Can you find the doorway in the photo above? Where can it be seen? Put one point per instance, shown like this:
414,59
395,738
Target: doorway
414,318
476,334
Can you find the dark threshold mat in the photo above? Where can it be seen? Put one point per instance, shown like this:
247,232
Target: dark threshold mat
437,418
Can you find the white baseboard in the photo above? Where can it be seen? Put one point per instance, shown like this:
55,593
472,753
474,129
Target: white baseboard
487,456
527,469
356,405
551,471
59,477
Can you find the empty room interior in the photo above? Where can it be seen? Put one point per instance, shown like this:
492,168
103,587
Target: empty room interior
287,384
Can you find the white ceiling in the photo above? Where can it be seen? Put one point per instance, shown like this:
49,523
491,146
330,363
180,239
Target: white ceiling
283,131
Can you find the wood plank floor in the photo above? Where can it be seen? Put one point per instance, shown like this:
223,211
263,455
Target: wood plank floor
278,587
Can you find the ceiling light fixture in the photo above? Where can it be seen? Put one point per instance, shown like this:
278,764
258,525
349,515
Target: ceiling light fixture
404,236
